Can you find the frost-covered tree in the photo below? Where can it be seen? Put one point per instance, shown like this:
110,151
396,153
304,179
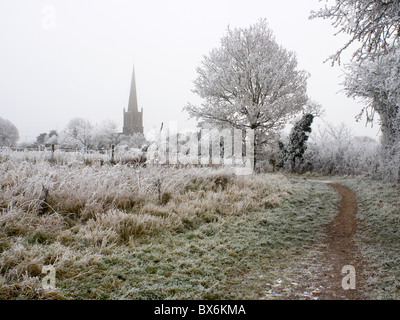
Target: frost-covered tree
249,82
374,76
47,139
9,134
78,134
41,138
52,137
105,134
375,24
135,141
377,83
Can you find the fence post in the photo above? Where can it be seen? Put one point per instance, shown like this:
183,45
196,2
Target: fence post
52,152
112,152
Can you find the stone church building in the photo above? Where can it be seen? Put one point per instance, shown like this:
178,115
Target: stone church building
133,119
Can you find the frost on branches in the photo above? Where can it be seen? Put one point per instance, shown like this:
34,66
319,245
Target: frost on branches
374,76
8,133
378,84
249,82
375,24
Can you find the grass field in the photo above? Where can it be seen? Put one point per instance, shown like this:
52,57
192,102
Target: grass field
119,232
116,231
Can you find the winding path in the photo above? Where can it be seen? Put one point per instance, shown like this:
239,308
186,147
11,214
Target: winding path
341,250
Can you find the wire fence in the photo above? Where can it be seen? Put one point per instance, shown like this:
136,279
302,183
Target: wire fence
54,148
59,154
114,155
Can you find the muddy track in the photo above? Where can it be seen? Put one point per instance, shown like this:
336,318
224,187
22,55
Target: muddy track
341,250
338,250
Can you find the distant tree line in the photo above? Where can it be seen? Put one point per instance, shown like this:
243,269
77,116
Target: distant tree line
82,134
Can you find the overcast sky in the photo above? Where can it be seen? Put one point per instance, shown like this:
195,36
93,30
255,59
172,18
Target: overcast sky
81,65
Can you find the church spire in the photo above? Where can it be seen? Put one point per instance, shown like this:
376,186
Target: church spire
133,105
133,119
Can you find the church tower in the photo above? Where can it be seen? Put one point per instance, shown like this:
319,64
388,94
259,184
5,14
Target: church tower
133,119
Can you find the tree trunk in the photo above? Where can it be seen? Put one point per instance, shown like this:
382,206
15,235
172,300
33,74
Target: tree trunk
256,145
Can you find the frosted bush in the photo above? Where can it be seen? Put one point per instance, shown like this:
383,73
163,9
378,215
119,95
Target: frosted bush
335,150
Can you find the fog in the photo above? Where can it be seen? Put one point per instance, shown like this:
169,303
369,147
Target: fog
65,59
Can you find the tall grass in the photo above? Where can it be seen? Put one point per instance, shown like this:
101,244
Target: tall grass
111,230
81,192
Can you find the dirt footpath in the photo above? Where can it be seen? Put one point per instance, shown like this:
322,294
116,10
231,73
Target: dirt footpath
341,251
322,278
